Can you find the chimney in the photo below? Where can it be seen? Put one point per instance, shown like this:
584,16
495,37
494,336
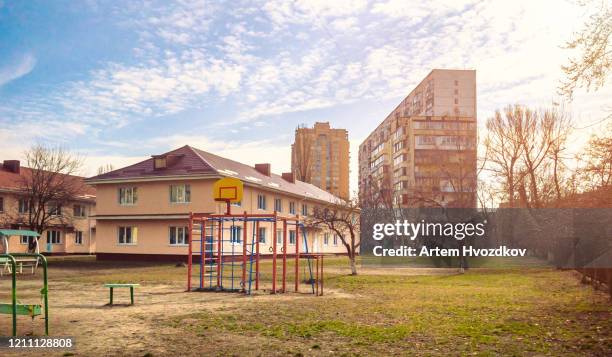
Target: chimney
289,177
263,169
12,166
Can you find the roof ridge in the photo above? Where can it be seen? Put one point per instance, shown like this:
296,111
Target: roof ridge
195,151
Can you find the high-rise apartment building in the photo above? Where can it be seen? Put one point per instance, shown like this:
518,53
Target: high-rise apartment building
320,156
424,153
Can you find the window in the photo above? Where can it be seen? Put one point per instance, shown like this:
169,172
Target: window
292,207
326,239
24,205
279,236
1,204
79,211
160,163
128,195
261,201
237,204
78,237
278,205
456,82
335,239
179,235
54,237
127,235
262,235
304,209
55,210
180,193
236,234
26,239
456,101
291,237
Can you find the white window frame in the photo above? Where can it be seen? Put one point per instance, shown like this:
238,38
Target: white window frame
335,240
78,237
25,239
292,234
278,204
181,236
82,211
180,193
292,207
51,237
127,196
261,202
262,237
279,236
236,235
326,239
23,205
133,236
304,209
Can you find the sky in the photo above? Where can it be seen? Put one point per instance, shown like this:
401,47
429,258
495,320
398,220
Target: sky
117,82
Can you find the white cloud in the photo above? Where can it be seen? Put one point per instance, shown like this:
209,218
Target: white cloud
18,69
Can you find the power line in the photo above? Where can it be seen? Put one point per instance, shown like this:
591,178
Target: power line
595,123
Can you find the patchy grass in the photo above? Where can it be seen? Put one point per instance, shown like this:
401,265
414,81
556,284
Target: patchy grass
514,311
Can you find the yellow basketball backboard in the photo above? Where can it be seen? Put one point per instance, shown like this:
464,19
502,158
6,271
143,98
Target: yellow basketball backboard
228,189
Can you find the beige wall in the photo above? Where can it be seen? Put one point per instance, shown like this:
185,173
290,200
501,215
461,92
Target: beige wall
153,233
67,236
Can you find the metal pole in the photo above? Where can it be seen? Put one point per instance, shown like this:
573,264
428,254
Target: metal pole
257,235
317,275
202,253
219,251
284,255
274,247
190,252
45,291
321,275
244,253
297,254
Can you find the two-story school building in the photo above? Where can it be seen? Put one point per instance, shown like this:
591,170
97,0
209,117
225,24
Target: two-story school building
71,230
143,209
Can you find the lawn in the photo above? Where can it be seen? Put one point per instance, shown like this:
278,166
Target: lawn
384,311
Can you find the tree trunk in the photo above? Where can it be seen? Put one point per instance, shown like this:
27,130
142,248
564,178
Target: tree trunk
353,266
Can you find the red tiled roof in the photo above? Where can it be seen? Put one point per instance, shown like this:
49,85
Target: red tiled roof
11,181
194,161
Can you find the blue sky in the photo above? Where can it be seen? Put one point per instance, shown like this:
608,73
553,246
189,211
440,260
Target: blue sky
119,81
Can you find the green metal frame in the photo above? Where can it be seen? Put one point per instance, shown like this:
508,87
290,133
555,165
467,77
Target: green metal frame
32,310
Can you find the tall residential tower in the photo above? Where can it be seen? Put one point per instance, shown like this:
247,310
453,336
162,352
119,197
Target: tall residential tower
424,152
320,156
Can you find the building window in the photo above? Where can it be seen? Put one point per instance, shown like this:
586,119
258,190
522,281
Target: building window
262,235
278,205
78,211
326,239
261,201
179,235
456,101
160,163
1,204
55,210
78,237
304,209
128,195
236,234
292,237
335,239
26,239
54,237
237,204
127,235
24,205
180,193
456,82
292,207
279,236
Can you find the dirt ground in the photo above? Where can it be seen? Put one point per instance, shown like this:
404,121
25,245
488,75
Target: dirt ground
166,320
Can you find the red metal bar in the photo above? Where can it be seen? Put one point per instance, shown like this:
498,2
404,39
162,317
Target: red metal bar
257,255
202,252
219,242
297,254
274,257
244,251
284,255
189,256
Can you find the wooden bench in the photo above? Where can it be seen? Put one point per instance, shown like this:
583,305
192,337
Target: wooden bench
112,286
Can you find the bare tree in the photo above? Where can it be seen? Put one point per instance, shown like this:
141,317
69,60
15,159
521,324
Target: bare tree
593,64
105,168
49,185
596,160
342,218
